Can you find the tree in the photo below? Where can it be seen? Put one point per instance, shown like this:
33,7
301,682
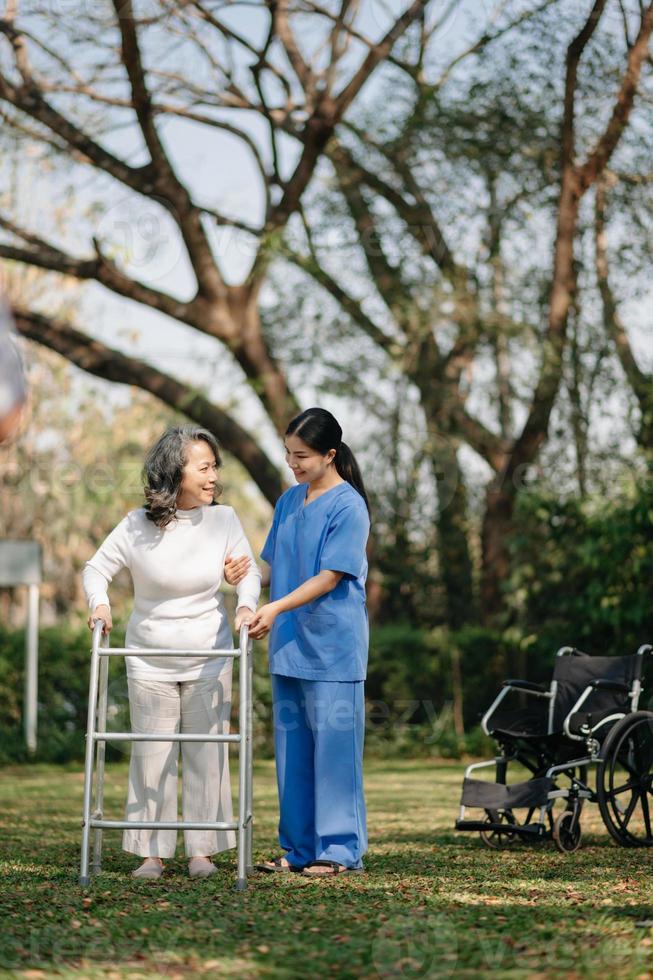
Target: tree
130,74
641,382
430,325
408,326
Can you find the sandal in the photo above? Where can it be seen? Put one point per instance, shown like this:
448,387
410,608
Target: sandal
334,869
275,866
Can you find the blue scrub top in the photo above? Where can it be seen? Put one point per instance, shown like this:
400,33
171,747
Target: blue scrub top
326,639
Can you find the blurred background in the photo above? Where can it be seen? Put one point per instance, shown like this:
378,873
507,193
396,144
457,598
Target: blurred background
433,219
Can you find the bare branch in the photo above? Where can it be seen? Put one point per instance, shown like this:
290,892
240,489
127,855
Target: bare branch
300,67
165,108
641,383
624,18
167,184
623,105
44,255
262,61
486,39
574,53
420,221
328,112
105,362
563,284
482,440
141,99
29,99
377,54
350,31
387,278
348,303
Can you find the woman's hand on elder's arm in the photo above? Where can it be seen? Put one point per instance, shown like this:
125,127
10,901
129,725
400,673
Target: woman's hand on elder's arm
235,569
101,612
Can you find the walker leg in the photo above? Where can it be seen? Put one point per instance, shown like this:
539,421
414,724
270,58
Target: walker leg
99,764
88,762
249,833
241,882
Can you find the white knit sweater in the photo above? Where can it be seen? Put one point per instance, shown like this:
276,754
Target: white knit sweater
176,573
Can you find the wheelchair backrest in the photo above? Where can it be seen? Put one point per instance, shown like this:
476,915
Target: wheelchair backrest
576,671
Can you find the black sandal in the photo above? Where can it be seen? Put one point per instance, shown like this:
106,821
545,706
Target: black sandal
336,869
276,866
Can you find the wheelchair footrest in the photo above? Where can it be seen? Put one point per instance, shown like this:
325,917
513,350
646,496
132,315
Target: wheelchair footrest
523,830
497,796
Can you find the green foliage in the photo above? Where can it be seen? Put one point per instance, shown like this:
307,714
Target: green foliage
410,691
64,659
581,575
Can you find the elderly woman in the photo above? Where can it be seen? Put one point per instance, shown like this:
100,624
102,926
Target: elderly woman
175,548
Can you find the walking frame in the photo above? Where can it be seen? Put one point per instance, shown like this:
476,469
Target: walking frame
97,736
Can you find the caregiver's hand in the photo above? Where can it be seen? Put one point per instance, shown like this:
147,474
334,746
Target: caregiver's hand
235,569
243,615
101,612
262,622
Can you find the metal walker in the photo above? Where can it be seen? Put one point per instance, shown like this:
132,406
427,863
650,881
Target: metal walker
97,737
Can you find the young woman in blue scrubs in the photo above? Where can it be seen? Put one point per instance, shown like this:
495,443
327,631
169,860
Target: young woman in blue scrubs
317,621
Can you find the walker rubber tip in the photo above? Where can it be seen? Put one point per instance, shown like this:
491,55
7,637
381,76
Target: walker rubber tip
241,884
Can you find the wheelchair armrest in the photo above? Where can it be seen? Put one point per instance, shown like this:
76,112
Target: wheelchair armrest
606,685
597,685
529,686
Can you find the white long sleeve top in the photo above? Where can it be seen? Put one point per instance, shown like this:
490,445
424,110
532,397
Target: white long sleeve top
12,381
176,573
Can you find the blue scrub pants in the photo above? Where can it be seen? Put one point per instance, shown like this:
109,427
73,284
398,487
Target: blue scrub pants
319,729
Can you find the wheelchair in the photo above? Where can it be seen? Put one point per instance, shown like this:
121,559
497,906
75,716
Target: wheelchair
586,719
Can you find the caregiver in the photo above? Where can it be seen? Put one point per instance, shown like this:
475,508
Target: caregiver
317,621
175,548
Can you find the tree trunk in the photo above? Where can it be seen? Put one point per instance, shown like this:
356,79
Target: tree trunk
497,525
455,560
452,518
248,345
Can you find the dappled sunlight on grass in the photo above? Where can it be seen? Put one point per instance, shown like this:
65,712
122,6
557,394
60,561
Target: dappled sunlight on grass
432,904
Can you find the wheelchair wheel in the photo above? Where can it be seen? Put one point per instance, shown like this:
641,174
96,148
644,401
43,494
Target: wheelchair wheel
567,832
498,839
625,781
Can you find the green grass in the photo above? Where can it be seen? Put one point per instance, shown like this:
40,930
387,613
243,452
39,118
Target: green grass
432,904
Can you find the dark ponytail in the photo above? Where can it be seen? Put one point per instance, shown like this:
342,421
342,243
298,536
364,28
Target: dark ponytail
349,470
321,431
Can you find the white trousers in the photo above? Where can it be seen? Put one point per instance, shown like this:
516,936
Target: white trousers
200,706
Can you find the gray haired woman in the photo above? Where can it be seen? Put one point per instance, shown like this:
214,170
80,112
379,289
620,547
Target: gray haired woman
175,548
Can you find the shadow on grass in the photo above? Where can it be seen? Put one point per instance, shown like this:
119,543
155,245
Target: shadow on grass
301,928
432,904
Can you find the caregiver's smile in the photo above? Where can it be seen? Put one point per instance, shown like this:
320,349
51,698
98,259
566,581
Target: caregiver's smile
307,465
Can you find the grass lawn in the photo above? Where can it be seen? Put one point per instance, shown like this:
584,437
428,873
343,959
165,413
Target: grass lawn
432,904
